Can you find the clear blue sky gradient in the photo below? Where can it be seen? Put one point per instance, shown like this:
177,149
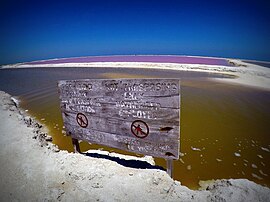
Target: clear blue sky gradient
34,30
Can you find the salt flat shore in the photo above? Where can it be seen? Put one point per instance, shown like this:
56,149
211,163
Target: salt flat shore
243,73
33,169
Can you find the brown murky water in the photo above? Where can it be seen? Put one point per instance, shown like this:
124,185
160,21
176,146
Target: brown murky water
224,128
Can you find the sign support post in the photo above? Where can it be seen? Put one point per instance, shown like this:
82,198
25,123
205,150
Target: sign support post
169,167
76,145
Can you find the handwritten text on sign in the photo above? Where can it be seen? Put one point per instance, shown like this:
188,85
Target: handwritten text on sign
137,115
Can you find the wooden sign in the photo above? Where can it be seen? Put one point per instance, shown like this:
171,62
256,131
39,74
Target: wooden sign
136,115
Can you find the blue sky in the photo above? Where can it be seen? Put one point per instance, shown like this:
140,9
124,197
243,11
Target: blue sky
34,30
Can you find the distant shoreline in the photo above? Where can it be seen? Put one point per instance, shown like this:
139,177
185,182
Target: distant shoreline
247,74
184,59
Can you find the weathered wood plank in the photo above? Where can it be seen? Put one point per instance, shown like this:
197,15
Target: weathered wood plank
146,87
123,127
168,150
113,111
117,113
140,102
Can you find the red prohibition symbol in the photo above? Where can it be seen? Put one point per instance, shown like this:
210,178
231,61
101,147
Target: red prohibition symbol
140,129
82,120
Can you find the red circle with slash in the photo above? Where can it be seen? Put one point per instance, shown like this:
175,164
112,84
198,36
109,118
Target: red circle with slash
82,120
140,129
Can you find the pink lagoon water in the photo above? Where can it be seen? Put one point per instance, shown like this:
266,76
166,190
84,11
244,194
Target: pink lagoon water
138,58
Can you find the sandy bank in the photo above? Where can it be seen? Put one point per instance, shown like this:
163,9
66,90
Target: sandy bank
33,169
244,73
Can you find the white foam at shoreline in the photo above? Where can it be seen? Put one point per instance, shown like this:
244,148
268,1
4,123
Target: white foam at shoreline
195,149
265,149
237,154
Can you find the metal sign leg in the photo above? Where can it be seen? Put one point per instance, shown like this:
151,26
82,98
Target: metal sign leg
169,167
76,145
